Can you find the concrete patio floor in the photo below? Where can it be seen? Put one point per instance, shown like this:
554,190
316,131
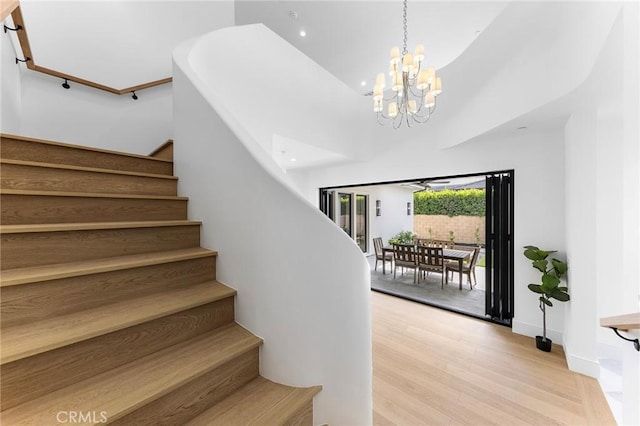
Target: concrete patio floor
429,291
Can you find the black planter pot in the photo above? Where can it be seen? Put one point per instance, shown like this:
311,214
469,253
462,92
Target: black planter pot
542,344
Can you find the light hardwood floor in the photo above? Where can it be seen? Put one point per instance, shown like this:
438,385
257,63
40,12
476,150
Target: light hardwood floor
433,367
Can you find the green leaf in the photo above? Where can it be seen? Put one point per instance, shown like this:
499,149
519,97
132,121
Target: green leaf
549,283
532,253
559,266
560,295
565,289
535,288
546,301
540,265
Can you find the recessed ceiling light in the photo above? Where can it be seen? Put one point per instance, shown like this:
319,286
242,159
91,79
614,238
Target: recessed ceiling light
522,127
363,83
293,160
293,14
303,33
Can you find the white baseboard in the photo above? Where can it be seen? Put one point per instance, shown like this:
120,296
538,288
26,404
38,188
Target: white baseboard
575,363
588,367
531,330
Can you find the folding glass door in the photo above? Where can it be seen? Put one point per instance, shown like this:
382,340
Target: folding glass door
350,211
499,247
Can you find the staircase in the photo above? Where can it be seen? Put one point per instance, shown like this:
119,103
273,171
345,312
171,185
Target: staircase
111,312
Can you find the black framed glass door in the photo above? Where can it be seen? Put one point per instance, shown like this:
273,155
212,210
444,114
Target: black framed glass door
499,247
350,211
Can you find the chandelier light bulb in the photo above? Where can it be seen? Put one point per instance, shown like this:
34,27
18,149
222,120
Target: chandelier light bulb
414,87
393,109
397,82
407,63
377,93
377,105
393,68
412,106
429,100
419,55
422,83
438,87
395,55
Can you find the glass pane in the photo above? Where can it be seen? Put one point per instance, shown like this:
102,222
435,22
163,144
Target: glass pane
361,221
345,213
326,203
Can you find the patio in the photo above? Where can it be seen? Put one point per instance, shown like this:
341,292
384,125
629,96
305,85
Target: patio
428,291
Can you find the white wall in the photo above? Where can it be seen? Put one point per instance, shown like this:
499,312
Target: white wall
394,216
303,284
630,300
10,81
582,231
602,155
603,229
278,111
35,105
87,116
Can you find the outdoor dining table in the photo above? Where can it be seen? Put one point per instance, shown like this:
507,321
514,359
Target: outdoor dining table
449,254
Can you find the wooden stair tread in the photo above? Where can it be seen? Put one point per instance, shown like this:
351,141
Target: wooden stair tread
168,143
90,194
32,338
122,390
84,169
57,227
259,402
83,148
33,274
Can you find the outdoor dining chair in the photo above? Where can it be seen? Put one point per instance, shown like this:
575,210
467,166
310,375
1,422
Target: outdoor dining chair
430,259
427,242
469,269
380,254
404,256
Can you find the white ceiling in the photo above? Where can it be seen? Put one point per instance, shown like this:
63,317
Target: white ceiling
352,39
124,43
117,43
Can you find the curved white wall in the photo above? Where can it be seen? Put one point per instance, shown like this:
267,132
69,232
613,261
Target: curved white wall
302,284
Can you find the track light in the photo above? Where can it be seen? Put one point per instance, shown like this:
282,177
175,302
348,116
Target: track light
18,27
26,59
135,97
66,84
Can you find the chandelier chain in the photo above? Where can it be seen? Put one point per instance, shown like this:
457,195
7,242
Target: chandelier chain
404,26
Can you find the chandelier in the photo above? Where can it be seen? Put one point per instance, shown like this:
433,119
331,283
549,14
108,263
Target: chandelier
414,87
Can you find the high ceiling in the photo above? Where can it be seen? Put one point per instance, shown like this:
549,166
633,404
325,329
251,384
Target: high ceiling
124,43
352,39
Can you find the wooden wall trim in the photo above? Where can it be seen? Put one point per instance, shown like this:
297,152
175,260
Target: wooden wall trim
622,322
16,15
6,7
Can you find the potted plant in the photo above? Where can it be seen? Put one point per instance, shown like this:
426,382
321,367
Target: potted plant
403,237
548,289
